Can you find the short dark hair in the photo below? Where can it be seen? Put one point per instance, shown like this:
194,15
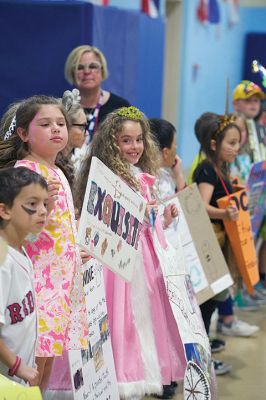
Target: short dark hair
163,132
203,123
13,180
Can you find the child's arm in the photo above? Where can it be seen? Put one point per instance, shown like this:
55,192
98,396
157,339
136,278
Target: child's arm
206,191
178,174
23,371
170,212
53,188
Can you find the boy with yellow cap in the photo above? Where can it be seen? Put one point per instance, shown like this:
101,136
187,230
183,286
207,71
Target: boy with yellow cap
247,97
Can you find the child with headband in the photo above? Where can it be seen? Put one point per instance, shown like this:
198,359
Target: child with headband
77,132
220,144
147,348
33,138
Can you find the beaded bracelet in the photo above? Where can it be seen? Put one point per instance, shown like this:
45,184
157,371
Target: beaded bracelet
12,371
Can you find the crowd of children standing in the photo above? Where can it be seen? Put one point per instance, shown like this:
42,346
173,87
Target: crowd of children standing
38,180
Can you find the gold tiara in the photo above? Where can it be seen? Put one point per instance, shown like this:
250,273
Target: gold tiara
225,121
132,113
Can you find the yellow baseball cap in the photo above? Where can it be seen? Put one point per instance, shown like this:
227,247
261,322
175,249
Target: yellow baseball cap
246,89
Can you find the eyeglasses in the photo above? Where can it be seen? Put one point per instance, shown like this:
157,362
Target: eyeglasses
83,127
92,66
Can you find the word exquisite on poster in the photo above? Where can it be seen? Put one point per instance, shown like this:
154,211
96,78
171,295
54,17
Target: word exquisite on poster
111,220
92,371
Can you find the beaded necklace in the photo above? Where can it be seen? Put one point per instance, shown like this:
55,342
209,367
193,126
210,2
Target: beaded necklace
92,115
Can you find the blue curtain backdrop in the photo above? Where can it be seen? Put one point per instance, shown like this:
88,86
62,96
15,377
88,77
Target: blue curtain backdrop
36,38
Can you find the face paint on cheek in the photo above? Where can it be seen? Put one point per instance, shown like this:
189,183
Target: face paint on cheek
28,210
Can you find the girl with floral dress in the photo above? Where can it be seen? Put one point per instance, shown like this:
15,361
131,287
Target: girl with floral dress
32,137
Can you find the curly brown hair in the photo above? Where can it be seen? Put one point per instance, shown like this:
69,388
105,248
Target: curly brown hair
105,147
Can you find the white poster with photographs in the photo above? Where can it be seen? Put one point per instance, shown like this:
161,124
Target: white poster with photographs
92,371
111,220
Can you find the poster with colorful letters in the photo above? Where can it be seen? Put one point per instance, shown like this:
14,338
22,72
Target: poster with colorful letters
111,220
92,371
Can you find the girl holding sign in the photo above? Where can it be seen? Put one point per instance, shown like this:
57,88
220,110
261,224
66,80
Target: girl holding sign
147,348
220,144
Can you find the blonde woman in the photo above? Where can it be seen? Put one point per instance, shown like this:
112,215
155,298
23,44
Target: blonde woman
86,69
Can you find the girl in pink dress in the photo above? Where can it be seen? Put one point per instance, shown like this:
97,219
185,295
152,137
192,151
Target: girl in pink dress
147,348
33,138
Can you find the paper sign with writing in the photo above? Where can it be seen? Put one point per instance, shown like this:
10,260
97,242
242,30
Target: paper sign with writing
92,371
10,390
204,259
257,195
183,302
241,238
111,220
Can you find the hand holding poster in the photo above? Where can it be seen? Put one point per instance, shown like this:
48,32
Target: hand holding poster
241,238
111,220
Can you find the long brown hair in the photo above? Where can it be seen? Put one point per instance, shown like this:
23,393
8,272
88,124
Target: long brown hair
105,147
216,130
13,148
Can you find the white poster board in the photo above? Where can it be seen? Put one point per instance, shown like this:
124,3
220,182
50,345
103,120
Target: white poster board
111,220
184,304
204,259
92,371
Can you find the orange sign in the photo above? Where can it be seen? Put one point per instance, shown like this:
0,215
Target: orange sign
241,238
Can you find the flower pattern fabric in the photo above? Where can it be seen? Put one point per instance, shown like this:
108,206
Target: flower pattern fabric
58,274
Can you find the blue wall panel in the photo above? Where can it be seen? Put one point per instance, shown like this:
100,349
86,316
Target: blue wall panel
40,34
38,38
134,46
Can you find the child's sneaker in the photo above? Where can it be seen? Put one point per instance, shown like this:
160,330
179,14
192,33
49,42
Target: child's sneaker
246,303
217,345
221,368
261,288
237,328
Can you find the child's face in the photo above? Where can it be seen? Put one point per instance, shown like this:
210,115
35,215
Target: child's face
169,154
230,146
77,131
29,210
130,142
243,130
47,132
249,107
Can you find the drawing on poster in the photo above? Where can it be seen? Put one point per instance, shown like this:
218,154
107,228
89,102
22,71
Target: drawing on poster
196,386
92,370
111,220
78,379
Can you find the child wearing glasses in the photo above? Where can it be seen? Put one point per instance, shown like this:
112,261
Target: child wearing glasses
66,159
23,210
